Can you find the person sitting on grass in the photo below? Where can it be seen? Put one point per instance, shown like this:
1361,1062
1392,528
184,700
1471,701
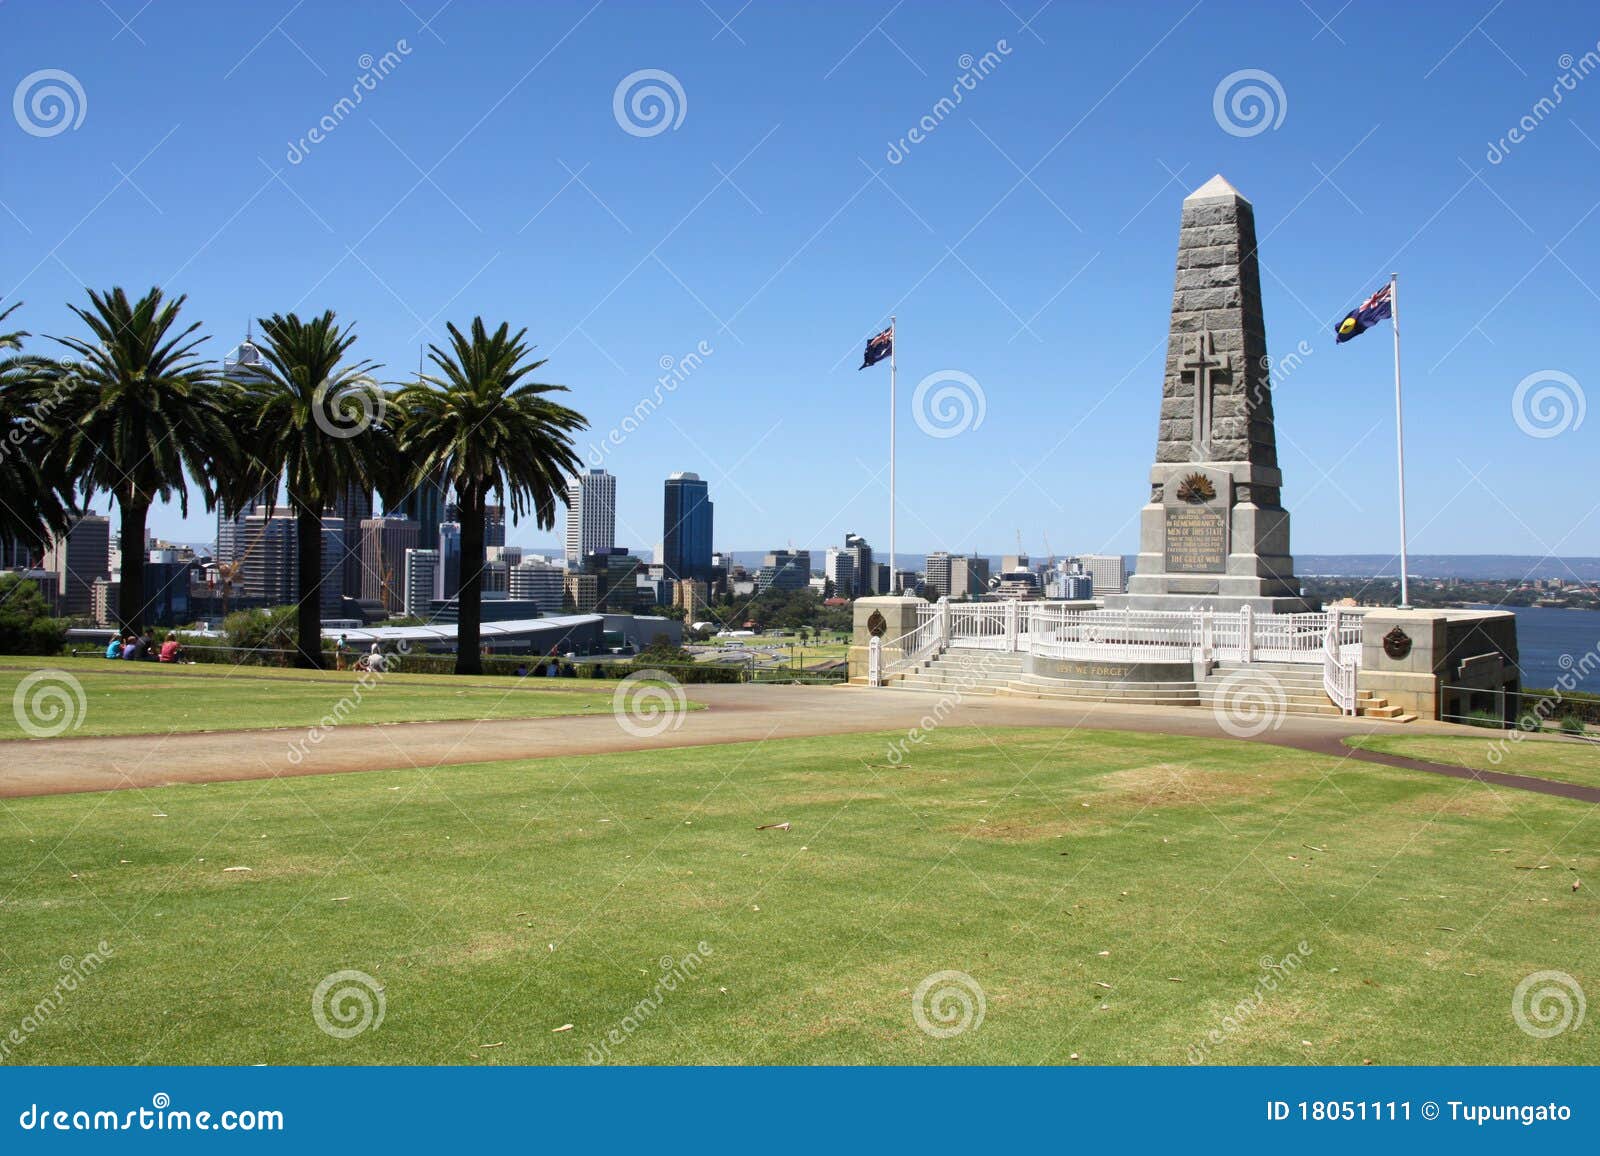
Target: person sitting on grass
130,648
114,650
171,649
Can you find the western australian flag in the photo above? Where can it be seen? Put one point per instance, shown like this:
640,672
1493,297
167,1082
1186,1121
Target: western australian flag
1371,311
878,347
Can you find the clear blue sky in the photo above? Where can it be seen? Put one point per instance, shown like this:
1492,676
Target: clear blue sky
1027,241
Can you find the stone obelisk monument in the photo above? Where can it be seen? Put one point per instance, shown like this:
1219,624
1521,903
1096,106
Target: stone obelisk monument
1214,533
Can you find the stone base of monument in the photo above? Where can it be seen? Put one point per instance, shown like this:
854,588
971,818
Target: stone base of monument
1213,536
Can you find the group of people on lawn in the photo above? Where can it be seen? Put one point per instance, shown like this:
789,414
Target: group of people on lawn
134,647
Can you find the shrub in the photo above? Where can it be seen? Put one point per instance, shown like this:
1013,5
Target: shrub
25,623
1571,724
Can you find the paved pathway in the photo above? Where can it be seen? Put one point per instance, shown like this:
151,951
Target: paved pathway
735,713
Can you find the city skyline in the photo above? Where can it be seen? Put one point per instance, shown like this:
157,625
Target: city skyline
718,277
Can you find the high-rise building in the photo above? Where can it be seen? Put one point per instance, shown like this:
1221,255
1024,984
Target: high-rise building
384,542
494,526
582,591
686,523
840,569
937,573
616,572
352,507
269,559
77,558
784,570
969,576
447,582
421,568
540,583
591,514
690,595
425,506
866,574
1109,572
230,523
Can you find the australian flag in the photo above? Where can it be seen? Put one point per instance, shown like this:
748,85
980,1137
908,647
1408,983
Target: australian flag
1371,311
878,347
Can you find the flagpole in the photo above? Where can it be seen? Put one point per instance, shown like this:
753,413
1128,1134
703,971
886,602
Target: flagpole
1399,434
892,352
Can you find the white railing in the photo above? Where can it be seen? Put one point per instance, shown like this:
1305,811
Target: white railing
1339,669
914,647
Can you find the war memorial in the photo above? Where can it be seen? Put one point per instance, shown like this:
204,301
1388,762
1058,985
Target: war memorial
1213,606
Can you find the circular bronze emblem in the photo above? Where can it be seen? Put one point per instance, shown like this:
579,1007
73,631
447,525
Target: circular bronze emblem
877,625
1397,643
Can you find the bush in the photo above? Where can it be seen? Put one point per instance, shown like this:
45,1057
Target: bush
1571,724
1484,718
25,623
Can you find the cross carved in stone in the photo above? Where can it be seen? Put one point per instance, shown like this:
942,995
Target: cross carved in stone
1203,360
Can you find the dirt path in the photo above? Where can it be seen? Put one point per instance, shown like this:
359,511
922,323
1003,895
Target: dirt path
735,713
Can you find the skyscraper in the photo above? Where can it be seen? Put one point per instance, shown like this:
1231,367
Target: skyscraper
937,573
840,569
447,583
1108,571
78,557
352,507
866,574
421,566
784,570
686,523
591,514
384,542
494,526
425,506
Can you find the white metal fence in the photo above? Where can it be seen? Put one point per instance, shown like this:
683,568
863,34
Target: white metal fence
1330,639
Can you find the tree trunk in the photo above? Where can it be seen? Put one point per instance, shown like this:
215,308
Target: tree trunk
308,612
469,616
130,592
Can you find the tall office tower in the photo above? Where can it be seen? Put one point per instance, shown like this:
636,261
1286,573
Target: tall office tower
936,572
421,568
230,523
1108,571
425,506
969,576
77,558
448,580
866,572
384,542
784,570
689,594
269,559
539,583
494,526
686,528
840,569
591,514
353,507
15,553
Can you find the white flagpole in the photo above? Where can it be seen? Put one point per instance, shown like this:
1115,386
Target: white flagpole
892,353
1399,434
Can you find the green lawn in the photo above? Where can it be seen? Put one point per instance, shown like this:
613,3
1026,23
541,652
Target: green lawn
148,698
1512,752
1112,895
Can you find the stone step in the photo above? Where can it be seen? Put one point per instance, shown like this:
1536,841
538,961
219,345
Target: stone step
1046,682
1384,711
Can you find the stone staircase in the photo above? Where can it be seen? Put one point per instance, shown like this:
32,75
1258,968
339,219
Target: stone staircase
982,673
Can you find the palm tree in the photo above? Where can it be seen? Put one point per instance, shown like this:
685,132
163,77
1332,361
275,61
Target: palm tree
308,416
33,504
482,427
138,415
